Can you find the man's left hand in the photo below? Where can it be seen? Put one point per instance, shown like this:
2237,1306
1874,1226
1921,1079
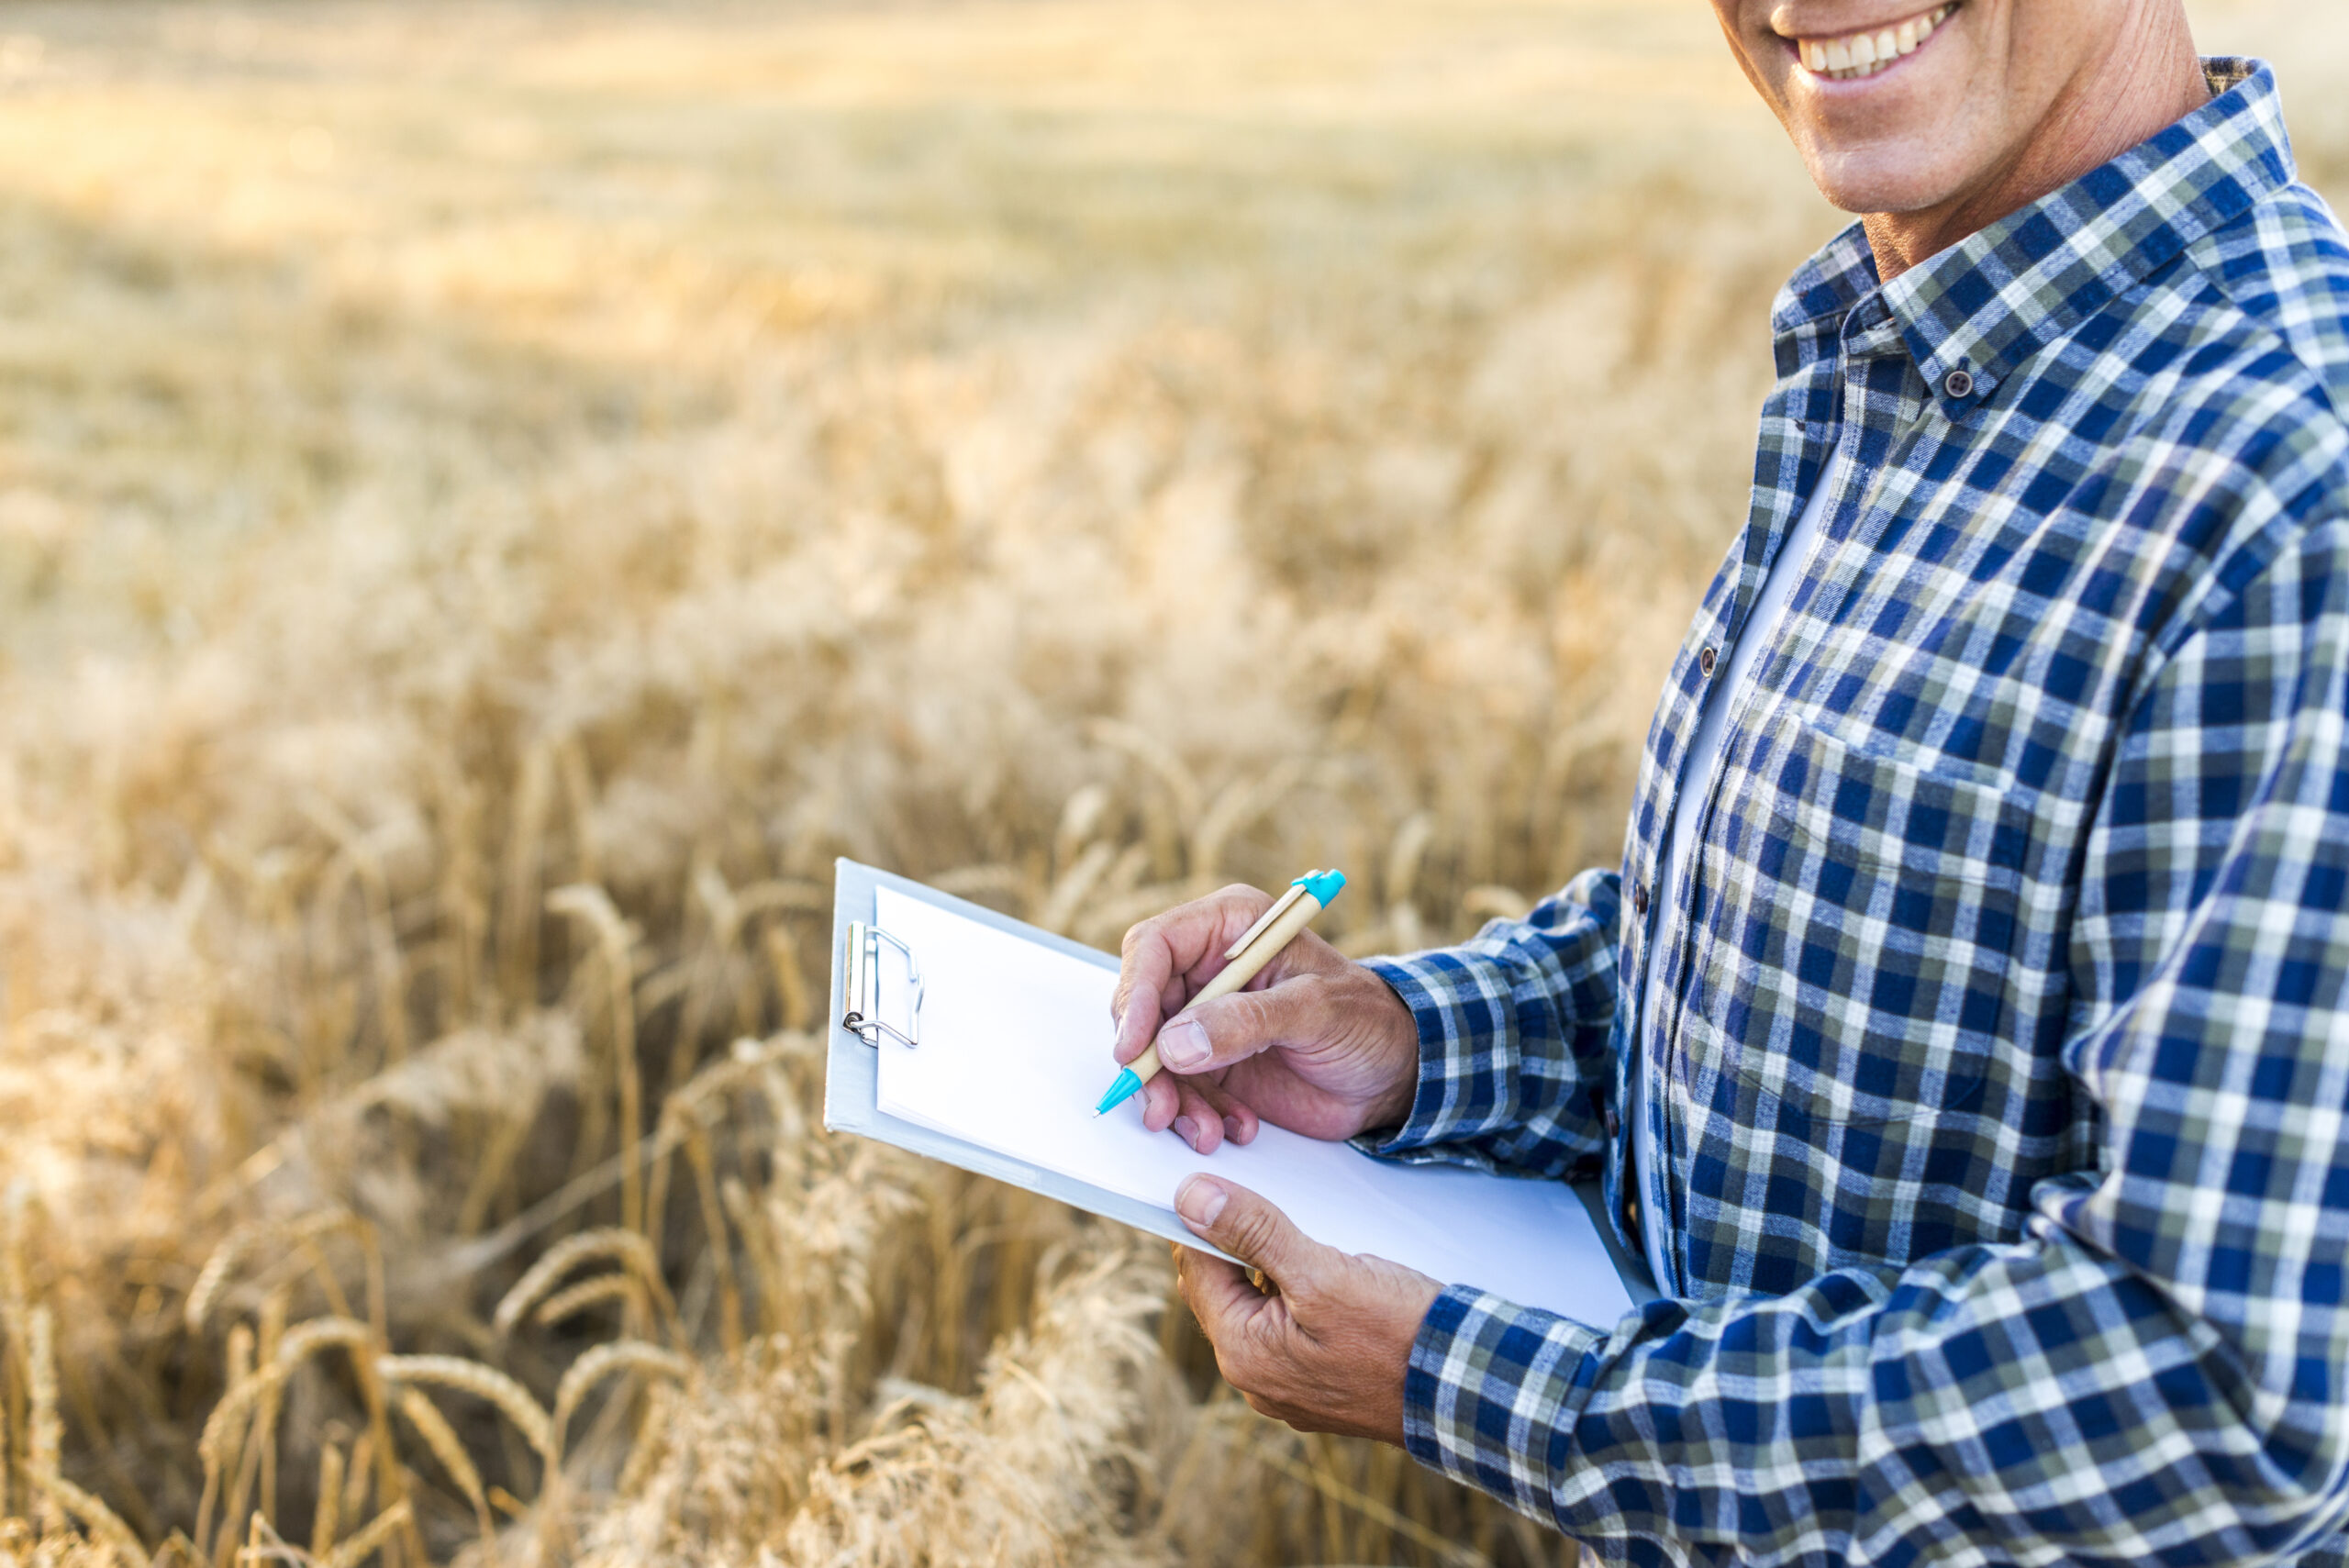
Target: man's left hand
1326,1354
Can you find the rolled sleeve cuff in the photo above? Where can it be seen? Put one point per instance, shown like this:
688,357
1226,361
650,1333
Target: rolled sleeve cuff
1455,1008
1487,1398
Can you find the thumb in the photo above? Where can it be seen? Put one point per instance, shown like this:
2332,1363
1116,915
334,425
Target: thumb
1234,1027
1250,1228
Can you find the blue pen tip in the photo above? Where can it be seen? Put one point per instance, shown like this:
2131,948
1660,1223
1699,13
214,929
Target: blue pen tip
1125,1086
1323,886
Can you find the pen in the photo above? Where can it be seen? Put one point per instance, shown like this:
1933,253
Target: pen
1258,945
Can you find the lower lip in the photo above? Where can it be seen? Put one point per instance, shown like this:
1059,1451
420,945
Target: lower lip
1827,84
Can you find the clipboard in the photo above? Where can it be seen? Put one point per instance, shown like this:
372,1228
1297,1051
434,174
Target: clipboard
852,1074
860,1014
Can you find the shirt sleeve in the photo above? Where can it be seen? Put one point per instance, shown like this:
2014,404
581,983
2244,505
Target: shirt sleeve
1515,1058
2153,1374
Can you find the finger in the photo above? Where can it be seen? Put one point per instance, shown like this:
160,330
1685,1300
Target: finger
1161,1102
1233,1028
1198,1121
1220,1297
1145,976
1161,952
1251,1230
1239,1120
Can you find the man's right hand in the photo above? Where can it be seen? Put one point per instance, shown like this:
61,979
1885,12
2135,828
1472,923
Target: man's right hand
1315,1043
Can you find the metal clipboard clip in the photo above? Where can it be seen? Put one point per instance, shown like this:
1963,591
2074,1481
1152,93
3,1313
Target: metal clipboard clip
861,1002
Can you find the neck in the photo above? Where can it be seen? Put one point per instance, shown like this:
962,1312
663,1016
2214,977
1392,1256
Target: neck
2149,79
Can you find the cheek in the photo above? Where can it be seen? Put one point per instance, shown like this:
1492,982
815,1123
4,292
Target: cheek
1758,50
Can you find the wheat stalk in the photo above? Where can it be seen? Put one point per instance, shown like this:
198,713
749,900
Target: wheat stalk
220,1427
310,1336
442,1440
355,1339
45,1434
1353,1498
259,1459
264,1544
224,1425
213,1277
798,998
272,1332
373,1536
101,1520
602,1361
482,1381
623,1246
363,854
220,1265
7,1448
573,1299
1181,784
358,1477
593,906
1236,809
721,1241
1075,885
1490,901
325,1518
578,1381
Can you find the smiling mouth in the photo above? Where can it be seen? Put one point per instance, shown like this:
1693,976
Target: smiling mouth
1851,56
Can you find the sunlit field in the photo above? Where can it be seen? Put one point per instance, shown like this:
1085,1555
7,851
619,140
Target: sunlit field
494,497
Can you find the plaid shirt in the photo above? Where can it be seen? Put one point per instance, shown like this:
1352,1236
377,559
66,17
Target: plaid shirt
2000,1073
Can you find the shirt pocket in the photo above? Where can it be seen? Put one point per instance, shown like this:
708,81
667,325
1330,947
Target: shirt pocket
1882,910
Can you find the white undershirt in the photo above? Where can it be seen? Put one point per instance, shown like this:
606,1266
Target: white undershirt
1719,697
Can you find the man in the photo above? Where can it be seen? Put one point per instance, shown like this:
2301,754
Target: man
1965,1039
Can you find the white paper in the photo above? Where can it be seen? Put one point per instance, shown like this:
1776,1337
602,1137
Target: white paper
1015,1053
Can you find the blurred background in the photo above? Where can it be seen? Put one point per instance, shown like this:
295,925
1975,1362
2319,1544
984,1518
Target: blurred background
494,496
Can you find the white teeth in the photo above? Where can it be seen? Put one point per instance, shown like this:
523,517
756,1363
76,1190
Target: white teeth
1855,55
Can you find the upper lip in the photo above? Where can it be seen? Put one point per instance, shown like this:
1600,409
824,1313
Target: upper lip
1784,24
1867,47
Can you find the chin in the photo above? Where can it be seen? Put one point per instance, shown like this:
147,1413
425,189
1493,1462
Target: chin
1907,178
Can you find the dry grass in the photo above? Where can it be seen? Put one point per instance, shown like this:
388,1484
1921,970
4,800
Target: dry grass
493,498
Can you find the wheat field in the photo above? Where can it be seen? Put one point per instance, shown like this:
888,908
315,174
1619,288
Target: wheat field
494,497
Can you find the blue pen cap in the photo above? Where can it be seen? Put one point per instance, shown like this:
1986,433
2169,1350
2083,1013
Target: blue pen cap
1322,885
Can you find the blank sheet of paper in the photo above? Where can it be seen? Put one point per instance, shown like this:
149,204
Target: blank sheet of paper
1015,1052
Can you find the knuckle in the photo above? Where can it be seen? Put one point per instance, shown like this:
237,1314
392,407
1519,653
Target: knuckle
1252,1231
1257,1013
1235,899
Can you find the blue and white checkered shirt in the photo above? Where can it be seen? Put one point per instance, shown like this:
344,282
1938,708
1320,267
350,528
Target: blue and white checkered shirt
1999,1074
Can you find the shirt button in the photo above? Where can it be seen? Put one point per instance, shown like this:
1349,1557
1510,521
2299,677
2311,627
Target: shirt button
1959,384
1639,898
1704,663
1614,1126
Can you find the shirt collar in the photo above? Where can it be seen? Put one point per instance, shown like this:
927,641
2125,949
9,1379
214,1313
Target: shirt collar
1989,302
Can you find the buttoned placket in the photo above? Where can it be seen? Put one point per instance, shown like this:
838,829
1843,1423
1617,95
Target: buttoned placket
1655,1194
1887,406
1877,392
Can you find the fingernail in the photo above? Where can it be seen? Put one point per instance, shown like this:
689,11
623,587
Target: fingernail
1232,1127
1200,1200
1188,1130
1183,1045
